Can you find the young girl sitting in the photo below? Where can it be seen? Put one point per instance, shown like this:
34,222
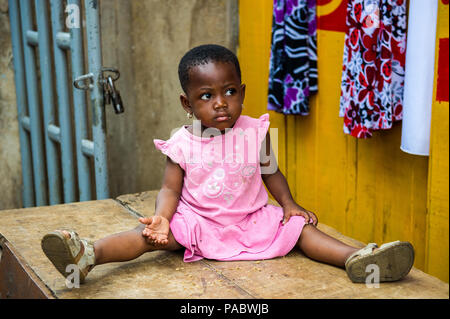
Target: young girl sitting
213,202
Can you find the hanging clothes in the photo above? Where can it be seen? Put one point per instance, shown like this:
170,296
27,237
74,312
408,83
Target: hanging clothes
373,66
293,56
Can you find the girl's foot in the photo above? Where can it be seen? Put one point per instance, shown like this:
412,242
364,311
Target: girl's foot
64,248
394,261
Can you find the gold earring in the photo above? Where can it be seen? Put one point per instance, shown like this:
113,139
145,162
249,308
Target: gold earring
189,115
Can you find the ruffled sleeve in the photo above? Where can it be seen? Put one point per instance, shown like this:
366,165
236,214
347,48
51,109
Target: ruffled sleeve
171,150
263,126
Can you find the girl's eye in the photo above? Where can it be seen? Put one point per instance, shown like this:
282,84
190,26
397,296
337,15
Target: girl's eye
230,92
205,96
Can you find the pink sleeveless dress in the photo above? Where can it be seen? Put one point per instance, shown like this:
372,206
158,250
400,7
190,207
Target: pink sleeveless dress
223,212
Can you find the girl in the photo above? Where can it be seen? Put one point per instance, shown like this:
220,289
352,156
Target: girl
213,202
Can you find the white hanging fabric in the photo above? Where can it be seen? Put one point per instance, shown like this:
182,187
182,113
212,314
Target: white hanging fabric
419,76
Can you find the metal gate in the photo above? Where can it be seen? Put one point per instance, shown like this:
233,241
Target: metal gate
56,151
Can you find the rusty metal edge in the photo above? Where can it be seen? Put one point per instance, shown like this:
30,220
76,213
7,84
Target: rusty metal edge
40,288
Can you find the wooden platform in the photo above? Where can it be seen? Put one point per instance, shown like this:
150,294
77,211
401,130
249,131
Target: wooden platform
164,274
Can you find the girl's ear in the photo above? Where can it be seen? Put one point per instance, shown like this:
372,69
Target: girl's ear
242,92
185,103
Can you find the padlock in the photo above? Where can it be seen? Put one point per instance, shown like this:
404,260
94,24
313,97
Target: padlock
106,94
114,96
117,102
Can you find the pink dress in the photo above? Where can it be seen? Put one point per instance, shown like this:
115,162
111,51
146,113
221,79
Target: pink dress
223,212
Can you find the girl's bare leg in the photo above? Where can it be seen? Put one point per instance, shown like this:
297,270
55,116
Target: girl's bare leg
127,245
321,247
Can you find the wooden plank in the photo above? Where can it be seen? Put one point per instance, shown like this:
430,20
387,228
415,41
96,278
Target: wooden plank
306,185
17,279
159,274
254,55
291,155
437,232
296,276
164,274
330,141
402,192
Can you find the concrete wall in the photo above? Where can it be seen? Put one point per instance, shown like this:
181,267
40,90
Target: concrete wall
144,39
10,165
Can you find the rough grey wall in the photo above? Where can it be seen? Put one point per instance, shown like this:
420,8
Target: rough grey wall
10,164
144,39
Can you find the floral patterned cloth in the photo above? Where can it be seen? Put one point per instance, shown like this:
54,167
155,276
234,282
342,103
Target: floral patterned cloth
293,56
374,66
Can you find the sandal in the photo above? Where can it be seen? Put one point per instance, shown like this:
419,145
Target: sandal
394,260
63,251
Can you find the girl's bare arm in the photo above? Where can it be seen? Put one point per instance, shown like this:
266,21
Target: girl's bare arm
277,185
272,176
169,195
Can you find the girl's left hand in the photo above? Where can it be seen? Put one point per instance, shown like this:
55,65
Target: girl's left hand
296,210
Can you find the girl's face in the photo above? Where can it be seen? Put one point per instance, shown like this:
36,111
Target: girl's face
214,94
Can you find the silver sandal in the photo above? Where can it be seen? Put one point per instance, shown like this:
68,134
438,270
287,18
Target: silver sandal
394,260
63,251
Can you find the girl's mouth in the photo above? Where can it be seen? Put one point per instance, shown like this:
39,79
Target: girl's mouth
223,118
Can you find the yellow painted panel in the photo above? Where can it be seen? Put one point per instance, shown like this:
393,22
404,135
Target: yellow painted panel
254,54
291,158
306,157
367,189
437,259
334,179
392,190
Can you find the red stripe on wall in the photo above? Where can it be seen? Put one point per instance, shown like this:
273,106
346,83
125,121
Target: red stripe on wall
335,21
442,71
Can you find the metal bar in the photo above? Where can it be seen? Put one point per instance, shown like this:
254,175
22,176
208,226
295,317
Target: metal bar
79,102
87,147
54,133
21,100
48,100
25,121
98,119
63,40
63,105
37,146
32,37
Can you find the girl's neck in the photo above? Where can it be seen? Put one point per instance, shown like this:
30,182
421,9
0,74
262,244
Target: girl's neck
199,133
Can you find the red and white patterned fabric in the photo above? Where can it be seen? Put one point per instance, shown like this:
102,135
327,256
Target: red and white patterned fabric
373,66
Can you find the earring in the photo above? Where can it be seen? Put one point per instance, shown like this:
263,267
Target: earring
189,115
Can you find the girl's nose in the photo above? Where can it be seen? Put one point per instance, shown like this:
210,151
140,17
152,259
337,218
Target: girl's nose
220,102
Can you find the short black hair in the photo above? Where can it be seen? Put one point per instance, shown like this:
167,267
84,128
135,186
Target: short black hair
205,54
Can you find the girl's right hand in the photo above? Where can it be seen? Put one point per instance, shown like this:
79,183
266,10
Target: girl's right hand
294,209
156,229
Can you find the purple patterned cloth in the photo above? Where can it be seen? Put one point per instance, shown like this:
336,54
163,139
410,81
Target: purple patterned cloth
293,56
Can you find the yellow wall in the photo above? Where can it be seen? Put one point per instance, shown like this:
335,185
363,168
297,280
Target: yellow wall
438,188
367,189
